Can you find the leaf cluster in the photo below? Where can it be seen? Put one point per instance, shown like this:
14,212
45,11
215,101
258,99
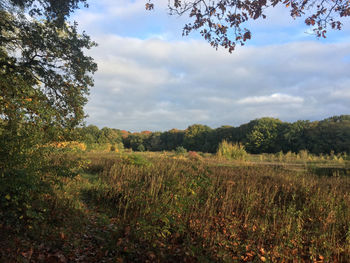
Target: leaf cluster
224,22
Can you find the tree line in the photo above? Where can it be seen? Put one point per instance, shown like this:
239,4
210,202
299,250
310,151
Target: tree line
264,135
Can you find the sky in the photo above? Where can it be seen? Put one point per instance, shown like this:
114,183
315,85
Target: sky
150,77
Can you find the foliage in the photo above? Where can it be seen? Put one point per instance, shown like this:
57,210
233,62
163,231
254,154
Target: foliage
69,145
264,135
329,134
226,23
171,139
232,151
44,75
134,141
140,148
44,83
197,138
20,202
137,159
113,148
180,150
294,136
64,163
26,196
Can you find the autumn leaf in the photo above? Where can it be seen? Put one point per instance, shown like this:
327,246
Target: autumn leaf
149,6
247,35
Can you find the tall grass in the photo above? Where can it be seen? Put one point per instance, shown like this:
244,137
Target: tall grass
162,208
231,151
304,156
244,214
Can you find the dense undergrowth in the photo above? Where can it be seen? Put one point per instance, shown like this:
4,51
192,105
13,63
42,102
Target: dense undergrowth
161,208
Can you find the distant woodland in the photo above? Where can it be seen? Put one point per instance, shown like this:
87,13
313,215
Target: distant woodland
264,135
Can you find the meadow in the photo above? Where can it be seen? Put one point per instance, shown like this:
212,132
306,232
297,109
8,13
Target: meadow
263,191
186,207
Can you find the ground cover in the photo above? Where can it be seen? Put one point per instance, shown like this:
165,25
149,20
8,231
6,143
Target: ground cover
184,207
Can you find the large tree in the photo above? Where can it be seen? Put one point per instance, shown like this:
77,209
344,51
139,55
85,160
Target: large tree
197,138
263,136
44,74
224,22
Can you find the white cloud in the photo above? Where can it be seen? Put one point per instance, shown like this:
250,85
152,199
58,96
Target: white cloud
158,85
341,94
152,78
276,98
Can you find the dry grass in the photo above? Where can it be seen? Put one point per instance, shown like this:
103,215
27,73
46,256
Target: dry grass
248,213
166,207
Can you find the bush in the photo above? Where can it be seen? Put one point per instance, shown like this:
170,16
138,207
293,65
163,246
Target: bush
180,150
20,202
194,156
141,148
118,147
69,145
63,162
232,151
137,160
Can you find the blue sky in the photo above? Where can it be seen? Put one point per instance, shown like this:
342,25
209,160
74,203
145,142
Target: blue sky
152,78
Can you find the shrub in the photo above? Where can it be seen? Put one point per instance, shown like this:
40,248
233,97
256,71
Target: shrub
180,150
141,148
118,147
194,156
69,145
138,160
232,151
64,163
20,193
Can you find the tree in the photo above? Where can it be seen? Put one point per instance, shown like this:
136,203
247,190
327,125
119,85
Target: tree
90,134
294,136
136,140
332,134
172,139
109,135
223,133
153,142
223,22
263,135
197,137
44,74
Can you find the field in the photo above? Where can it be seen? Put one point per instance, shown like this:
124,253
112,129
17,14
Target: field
185,207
